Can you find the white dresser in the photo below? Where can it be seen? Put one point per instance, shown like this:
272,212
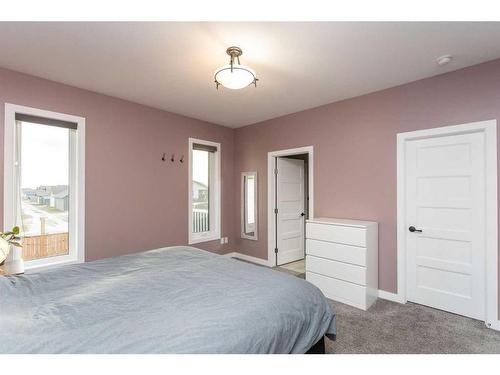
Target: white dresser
342,259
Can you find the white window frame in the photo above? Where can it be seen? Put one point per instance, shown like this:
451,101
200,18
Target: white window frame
77,183
244,206
215,196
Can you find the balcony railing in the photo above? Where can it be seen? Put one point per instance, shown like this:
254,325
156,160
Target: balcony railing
200,221
44,246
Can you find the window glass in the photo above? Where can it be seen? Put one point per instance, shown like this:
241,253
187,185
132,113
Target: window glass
249,204
43,163
201,191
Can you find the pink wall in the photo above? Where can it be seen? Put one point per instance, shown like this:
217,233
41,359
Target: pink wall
134,201
355,149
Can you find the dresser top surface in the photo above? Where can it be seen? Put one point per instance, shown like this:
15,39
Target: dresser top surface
344,222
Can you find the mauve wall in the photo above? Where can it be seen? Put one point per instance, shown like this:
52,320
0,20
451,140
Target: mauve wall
355,149
134,201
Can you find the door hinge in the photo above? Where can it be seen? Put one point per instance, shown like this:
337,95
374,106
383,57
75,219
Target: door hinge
276,250
276,211
276,171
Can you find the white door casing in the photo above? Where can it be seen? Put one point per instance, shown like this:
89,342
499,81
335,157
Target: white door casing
271,194
454,195
290,203
445,199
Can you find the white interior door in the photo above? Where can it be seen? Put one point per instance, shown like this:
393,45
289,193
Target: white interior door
445,200
290,204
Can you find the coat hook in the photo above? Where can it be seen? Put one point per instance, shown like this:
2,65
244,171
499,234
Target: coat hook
182,159
163,157
172,158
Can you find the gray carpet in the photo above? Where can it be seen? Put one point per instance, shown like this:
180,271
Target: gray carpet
392,328
389,327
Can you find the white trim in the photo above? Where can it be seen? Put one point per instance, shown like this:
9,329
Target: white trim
248,258
389,296
9,195
77,245
255,236
495,324
489,129
215,233
271,156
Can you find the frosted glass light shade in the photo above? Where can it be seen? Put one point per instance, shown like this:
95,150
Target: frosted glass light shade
241,76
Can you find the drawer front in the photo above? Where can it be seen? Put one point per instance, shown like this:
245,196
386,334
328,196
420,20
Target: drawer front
336,251
336,233
338,270
339,290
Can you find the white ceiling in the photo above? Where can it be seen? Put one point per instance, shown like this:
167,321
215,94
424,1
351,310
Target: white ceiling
299,65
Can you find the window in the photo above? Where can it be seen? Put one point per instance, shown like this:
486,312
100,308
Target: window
44,184
204,191
249,205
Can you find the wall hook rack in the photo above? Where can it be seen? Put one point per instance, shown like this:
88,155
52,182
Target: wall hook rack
172,158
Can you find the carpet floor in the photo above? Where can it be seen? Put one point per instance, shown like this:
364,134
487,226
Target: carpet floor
393,328
389,327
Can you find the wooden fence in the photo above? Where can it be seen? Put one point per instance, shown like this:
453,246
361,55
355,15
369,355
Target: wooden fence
44,246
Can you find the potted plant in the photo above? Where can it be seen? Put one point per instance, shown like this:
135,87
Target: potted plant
10,251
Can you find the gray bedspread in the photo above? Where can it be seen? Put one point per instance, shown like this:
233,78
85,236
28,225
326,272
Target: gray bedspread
171,300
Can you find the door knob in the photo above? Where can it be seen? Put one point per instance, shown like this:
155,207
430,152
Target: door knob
413,229
302,214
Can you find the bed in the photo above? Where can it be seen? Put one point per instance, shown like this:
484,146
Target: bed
171,300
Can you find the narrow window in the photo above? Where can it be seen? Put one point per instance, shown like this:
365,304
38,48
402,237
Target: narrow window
45,184
250,204
204,188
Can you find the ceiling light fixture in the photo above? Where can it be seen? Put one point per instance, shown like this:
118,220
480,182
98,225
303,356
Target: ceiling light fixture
234,76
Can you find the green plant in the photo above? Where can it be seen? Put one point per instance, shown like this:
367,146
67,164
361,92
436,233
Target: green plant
12,237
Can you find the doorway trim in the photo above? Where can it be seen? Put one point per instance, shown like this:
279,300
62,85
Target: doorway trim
489,129
271,226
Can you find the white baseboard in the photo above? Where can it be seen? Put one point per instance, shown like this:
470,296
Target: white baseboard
495,325
390,296
248,258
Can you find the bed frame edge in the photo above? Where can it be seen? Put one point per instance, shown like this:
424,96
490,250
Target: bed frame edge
318,348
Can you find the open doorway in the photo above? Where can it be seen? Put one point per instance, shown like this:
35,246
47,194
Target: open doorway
290,203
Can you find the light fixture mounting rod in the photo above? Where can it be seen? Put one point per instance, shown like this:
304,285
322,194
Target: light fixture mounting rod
234,52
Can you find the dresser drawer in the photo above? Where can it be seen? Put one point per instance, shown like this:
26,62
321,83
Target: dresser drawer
336,251
335,233
338,270
339,290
